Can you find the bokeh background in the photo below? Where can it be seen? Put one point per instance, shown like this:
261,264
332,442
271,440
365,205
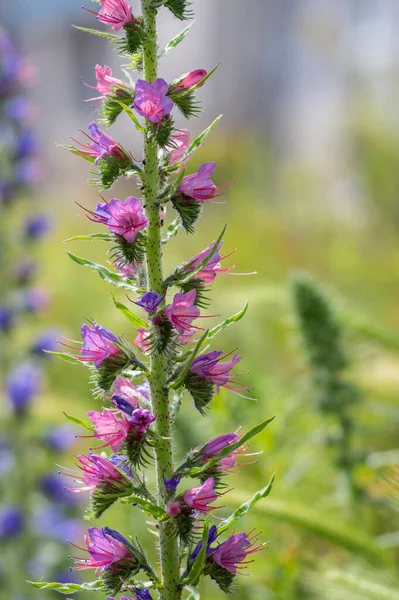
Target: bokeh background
309,93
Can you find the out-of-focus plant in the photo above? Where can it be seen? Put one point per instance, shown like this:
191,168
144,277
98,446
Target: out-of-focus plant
335,395
35,508
144,383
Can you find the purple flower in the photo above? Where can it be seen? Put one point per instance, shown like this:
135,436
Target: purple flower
232,554
210,367
217,444
141,594
172,483
121,462
151,100
211,268
105,82
19,109
27,144
98,344
150,302
125,218
109,428
7,318
11,522
50,521
182,312
212,535
52,485
24,272
96,470
37,226
35,299
199,185
141,418
106,547
46,342
101,146
201,497
22,385
61,438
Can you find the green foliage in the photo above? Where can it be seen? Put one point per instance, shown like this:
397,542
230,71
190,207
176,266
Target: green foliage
80,422
113,104
105,274
67,588
174,42
180,8
137,322
189,210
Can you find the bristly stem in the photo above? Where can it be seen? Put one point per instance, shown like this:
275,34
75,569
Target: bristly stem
169,552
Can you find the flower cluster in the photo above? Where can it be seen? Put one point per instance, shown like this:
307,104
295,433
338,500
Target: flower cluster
34,507
141,379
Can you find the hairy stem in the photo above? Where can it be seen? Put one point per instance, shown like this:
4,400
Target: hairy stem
159,368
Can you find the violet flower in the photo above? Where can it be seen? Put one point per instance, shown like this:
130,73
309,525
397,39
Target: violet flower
182,312
125,218
116,13
37,226
105,82
110,428
22,385
151,100
232,554
210,367
106,547
98,344
96,470
178,146
11,522
201,497
199,185
150,302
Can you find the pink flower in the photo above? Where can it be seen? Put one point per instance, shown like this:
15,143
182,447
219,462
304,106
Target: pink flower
101,146
96,470
200,498
143,341
105,81
105,547
212,267
128,270
110,428
199,185
217,444
126,390
209,367
151,100
125,218
98,344
232,554
173,509
116,13
182,312
178,146
191,79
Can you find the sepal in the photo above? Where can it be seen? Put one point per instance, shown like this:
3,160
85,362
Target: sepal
223,578
125,252
110,168
113,104
161,132
135,39
103,377
188,208
105,494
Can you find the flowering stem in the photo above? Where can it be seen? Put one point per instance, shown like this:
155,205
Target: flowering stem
159,367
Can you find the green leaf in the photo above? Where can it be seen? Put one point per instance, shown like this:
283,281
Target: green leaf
79,422
133,117
199,563
195,144
246,507
106,274
233,319
137,322
174,42
104,34
335,531
104,237
151,509
67,357
172,230
194,594
67,588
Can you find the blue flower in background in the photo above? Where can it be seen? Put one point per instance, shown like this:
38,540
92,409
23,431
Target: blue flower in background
37,226
60,438
7,318
47,341
53,486
22,385
11,522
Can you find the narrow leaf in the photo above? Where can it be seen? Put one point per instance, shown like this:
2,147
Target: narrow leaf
195,144
151,509
106,274
105,237
233,319
174,42
199,562
79,422
104,34
137,322
66,356
133,117
172,230
246,507
67,588
186,367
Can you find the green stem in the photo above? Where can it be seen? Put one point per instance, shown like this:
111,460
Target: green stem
169,551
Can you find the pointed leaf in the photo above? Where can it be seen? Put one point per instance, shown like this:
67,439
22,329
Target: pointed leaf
195,144
133,117
66,356
79,422
246,507
105,237
186,367
67,588
137,322
151,509
110,36
233,319
172,230
199,563
207,258
174,42
106,274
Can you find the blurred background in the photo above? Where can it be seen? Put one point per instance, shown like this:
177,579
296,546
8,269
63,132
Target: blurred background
309,137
